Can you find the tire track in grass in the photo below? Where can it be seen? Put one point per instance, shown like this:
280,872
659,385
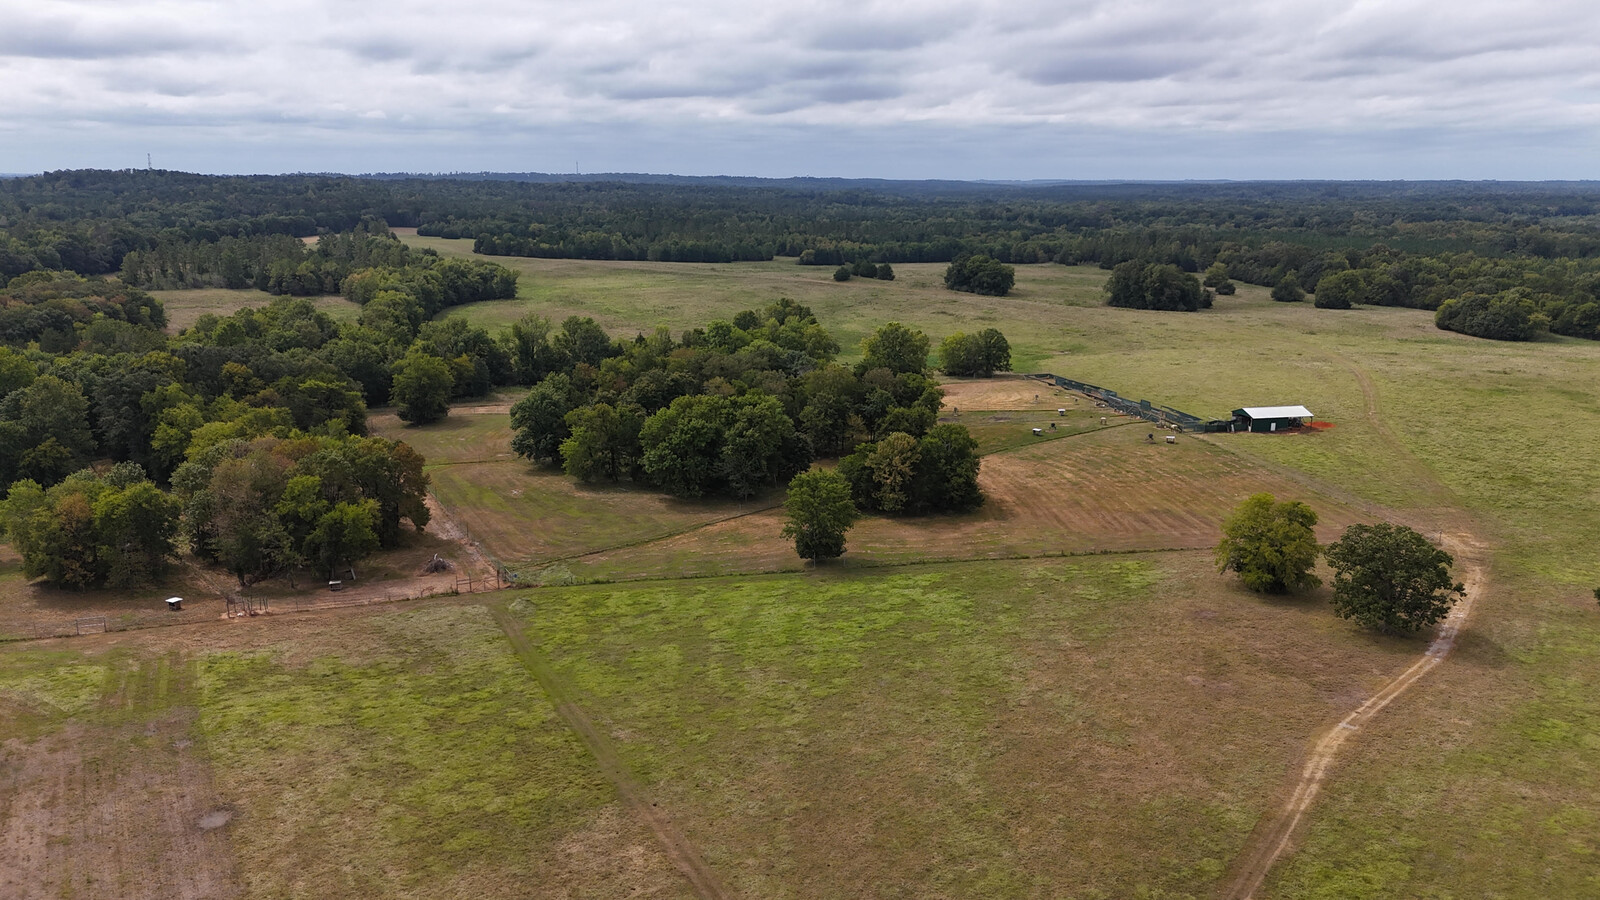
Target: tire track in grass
1273,837
673,842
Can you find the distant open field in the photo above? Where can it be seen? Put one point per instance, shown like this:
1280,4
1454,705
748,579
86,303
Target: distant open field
185,307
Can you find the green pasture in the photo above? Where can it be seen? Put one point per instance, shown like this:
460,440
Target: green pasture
1484,784
1106,727
403,755
1007,430
411,756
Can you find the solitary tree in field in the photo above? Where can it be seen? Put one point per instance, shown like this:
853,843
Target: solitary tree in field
820,512
980,275
1390,578
1270,544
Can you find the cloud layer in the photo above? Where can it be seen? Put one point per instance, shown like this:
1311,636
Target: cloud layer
1161,88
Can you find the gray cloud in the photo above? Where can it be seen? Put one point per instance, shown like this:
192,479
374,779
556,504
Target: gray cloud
1109,66
1137,75
45,35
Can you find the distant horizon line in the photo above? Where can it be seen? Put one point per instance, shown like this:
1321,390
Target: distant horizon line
555,177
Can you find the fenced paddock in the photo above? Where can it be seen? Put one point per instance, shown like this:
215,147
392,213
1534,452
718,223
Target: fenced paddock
1161,415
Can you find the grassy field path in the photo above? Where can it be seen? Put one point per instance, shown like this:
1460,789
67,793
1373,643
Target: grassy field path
673,842
1270,841
1273,837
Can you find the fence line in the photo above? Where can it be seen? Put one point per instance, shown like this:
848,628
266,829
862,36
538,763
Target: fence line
240,607
1144,409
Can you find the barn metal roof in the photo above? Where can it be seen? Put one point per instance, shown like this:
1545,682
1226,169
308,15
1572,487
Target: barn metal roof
1277,412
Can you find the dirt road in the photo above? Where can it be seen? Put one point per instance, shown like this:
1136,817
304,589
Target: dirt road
1274,836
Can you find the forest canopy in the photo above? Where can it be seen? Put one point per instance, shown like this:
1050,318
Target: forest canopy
1411,244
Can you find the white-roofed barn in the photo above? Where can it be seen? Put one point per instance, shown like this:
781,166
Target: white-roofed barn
1269,418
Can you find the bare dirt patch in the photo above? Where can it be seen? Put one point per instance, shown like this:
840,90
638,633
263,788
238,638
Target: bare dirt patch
1008,391
125,811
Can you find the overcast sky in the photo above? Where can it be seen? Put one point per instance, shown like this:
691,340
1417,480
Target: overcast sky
1015,90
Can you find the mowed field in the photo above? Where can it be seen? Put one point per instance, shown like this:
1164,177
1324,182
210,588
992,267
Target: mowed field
398,755
1038,728
1101,492
1007,721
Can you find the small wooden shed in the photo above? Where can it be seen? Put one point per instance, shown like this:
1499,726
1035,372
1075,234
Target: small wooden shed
1266,419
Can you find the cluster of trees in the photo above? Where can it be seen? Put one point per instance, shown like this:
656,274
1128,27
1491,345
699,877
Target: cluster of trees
980,274
864,269
275,398
59,310
975,355
1386,576
905,475
1288,290
726,409
1136,285
395,350
1510,315
1506,298
90,530
1216,278
159,414
262,507
259,508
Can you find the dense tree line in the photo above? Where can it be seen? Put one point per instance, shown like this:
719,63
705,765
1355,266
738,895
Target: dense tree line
60,310
1408,244
88,377
87,221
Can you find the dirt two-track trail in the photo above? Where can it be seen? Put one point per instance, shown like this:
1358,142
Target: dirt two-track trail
673,842
1275,834
1268,844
